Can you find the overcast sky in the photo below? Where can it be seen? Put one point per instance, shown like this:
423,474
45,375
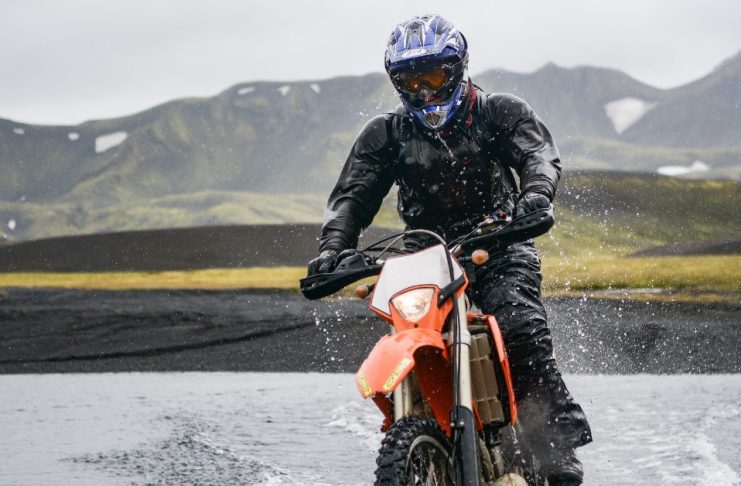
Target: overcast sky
67,61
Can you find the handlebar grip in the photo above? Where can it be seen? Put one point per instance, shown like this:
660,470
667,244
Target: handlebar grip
350,270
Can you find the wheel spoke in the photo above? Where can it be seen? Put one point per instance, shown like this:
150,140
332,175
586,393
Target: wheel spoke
427,465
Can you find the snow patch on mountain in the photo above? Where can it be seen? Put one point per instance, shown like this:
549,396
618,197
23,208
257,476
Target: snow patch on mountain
315,88
245,90
284,89
19,131
108,141
680,170
626,111
73,136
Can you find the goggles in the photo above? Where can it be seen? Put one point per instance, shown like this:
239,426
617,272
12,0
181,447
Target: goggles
433,79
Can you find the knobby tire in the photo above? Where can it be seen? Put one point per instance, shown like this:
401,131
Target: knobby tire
414,452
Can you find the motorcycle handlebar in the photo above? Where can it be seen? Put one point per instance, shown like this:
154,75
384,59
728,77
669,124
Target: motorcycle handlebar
531,225
358,266
350,269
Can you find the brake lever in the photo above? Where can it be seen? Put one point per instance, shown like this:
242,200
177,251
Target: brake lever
488,225
492,224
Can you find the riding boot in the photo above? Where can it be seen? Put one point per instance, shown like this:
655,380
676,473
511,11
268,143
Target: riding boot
564,469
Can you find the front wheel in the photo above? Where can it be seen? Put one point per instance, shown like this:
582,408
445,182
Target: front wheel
414,452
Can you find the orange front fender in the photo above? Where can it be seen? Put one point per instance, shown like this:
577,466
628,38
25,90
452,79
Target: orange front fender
392,359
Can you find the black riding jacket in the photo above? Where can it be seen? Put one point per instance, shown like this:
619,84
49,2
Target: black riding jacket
448,180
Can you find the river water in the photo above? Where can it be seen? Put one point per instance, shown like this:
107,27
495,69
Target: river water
314,429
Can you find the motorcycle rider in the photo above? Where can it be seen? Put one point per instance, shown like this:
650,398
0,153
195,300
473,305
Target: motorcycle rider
452,150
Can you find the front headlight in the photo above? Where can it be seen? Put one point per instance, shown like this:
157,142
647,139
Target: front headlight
413,305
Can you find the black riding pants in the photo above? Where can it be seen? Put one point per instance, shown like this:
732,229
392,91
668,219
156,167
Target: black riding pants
508,286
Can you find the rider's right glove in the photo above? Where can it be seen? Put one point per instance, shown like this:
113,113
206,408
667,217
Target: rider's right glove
324,263
529,202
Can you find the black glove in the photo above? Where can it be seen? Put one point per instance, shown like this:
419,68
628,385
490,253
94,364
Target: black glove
529,202
324,263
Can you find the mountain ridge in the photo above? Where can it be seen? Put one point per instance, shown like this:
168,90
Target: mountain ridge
733,60
267,137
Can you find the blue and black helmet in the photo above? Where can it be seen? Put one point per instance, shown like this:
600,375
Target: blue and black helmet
427,61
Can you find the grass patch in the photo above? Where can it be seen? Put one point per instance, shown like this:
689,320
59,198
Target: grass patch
692,277
212,279
689,273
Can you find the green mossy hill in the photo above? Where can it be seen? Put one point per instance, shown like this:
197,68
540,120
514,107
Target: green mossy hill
292,137
701,114
571,101
608,154
705,113
600,215
257,137
628,213
34,220
596,211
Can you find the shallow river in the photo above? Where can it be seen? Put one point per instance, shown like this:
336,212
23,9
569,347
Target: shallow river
313,429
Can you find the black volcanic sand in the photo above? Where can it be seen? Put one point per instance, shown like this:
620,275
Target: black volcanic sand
172,249
215,247
85,331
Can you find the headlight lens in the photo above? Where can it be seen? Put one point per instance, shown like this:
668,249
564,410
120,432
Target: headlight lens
413,305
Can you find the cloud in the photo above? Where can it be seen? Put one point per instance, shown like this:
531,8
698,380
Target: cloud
80,59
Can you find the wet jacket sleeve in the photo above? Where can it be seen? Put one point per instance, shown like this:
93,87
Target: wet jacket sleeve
364,181
524,143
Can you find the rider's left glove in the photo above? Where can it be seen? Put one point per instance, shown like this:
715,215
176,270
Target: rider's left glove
324,263
529,202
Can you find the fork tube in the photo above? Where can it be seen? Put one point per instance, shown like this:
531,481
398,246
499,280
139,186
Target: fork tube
464,348
403,399
466,452
402,395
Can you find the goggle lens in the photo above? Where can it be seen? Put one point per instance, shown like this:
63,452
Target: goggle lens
434,80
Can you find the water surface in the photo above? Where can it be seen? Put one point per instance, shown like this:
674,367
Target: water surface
313,429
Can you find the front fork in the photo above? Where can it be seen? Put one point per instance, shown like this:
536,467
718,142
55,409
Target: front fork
459,344
463,422
403,401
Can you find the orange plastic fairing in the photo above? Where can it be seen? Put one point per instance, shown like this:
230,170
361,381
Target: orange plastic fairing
394,357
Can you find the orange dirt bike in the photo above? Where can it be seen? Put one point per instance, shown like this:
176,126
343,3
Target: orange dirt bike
441,377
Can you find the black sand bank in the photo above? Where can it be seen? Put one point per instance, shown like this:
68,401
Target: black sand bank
73,331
